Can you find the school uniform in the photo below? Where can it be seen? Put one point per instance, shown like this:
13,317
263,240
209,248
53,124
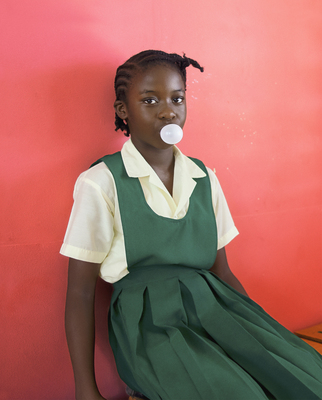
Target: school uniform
177,331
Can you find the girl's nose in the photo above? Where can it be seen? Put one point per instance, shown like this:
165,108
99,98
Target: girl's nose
166,112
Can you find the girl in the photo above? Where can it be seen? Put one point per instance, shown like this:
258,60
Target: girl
155,223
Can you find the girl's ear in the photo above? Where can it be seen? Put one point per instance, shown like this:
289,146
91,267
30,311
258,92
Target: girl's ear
120,109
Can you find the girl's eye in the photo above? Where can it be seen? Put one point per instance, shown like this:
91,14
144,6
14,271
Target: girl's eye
178,100
149,101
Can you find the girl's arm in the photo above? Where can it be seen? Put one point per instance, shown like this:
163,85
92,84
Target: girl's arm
221,269
80,326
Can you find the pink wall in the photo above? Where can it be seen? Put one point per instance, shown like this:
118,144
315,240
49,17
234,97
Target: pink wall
255,115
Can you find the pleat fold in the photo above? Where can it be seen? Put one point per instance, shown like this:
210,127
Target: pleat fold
191,336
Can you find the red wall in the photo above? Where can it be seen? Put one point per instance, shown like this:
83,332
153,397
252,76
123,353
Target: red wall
254,115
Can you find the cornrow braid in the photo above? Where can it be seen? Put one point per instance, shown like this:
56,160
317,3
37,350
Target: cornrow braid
140,62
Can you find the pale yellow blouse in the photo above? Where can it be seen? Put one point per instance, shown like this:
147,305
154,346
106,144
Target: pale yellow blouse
94,231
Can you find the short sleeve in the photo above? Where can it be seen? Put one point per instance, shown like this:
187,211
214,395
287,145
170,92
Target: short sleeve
225,225
90,232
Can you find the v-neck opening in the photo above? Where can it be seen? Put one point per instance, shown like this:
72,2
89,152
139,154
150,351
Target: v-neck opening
146,204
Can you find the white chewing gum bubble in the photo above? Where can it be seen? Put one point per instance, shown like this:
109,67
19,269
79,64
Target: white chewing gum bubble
171,134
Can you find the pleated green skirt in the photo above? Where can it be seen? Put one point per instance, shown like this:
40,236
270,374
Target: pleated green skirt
181,333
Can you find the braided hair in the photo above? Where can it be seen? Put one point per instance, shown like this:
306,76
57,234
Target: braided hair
140,62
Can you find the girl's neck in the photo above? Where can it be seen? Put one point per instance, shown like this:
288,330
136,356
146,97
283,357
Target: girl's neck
162,162
161,159
165,172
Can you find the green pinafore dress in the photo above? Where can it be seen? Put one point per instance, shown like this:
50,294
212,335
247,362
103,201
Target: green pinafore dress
177,331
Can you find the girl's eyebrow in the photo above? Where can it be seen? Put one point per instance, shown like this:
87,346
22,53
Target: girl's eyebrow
145,91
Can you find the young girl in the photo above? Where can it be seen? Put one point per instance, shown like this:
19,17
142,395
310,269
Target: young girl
155,223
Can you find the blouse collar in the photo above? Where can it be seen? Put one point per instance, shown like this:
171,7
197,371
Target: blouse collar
136,166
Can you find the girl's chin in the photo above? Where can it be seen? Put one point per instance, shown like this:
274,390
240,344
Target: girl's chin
155,144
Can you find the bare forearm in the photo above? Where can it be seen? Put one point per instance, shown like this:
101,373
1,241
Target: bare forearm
80,326
222,270
80,333
231,279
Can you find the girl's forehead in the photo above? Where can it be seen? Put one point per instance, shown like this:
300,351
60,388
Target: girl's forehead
159,75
